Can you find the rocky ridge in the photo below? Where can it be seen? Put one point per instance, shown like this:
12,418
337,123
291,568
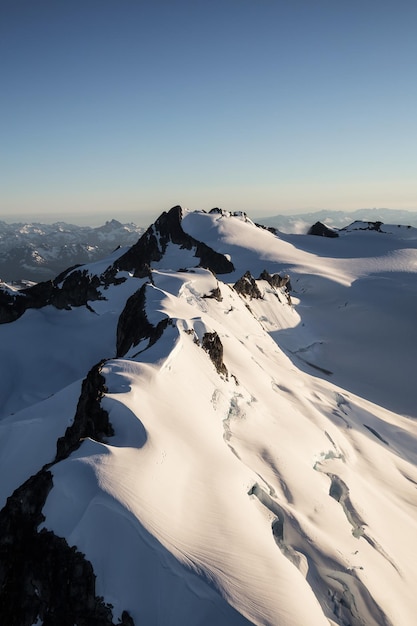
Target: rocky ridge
77,286
41,576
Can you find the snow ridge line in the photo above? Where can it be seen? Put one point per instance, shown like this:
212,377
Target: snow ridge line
41,575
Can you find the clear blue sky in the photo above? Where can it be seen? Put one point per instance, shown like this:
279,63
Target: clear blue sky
268,106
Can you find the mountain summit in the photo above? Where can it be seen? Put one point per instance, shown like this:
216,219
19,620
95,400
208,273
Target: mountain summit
208,428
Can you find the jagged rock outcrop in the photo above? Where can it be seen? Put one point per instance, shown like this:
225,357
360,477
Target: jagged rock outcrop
215,293
12,306
212,344
223,213
153,244
270,229
76,288
90,420
321,230
41,576
133,324
246,286
275,280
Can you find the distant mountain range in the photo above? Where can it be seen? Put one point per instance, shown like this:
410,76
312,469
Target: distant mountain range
300,222
36,252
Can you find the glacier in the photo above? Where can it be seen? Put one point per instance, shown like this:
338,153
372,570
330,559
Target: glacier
214,456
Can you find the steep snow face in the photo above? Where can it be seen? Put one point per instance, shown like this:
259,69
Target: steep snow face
273,485
205,517
241,485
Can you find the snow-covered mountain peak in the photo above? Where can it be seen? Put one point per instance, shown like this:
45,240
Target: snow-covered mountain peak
204,428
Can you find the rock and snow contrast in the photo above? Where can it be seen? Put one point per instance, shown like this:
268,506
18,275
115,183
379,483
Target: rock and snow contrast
214,426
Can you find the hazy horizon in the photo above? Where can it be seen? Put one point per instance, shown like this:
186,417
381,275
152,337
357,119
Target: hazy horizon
144,219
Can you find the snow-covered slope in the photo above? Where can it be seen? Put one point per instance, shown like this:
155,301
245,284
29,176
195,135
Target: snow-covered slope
224,446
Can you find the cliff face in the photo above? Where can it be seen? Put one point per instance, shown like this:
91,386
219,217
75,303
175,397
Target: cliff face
41,576
153,244
246,286
133,325
90,420
213,346
76,289
321,230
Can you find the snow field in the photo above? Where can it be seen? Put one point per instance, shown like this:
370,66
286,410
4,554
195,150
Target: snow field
273,494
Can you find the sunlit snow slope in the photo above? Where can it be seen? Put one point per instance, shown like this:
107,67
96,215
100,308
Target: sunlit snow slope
261,462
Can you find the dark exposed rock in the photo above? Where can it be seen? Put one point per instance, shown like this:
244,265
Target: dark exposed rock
12,306
41,576
90,420
133,324
26,504
61,277
213,346
152,246
77,288
215,293
275,280
212,260
321,230
375,226
126,619
270,229
223,213
246,286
